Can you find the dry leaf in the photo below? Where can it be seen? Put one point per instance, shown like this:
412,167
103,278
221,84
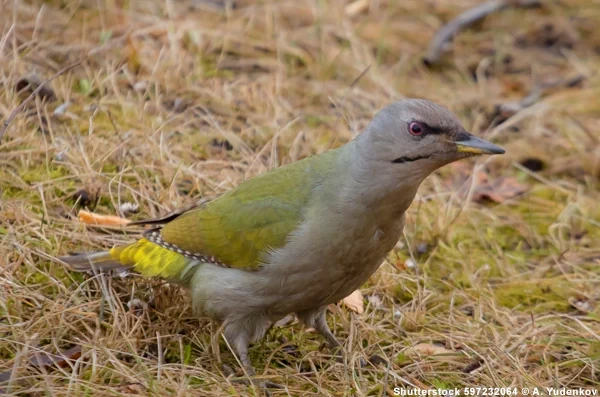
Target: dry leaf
427,349
355,302
356,7
400,265
28,84
132,388
89,218
499,190
485,188
44,359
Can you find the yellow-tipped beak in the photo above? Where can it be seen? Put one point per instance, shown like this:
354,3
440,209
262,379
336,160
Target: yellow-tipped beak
477,146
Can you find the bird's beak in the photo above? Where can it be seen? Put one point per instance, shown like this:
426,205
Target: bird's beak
475,145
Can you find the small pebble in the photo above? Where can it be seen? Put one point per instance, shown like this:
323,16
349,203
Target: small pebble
375,301
62,109
422,248
137,306
129,208
140,86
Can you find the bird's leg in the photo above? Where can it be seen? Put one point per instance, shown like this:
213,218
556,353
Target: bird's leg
321,326
239,341
317,319
242,352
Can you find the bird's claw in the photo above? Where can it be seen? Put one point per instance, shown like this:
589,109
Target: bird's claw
264,385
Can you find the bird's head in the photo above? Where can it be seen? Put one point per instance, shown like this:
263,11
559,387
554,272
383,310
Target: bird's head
420,136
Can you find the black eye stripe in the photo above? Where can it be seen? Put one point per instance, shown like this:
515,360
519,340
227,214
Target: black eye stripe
428,129
435,130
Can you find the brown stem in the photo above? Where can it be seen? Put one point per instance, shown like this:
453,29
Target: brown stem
443,37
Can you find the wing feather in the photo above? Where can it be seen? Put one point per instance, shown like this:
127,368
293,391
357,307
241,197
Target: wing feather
241,225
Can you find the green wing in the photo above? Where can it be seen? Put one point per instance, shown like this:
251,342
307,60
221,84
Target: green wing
258,215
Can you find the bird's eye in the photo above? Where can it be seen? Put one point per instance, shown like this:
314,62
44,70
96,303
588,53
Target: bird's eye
415,128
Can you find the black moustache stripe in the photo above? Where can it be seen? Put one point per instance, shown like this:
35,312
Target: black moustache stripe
401,160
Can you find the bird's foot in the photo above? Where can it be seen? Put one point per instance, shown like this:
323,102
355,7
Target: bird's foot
261,384
266,385
338,354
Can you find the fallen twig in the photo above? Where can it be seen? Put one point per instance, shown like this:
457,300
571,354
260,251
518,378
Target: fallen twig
89,218
442,39
19,108
508,109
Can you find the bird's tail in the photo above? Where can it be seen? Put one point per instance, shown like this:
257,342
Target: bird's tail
143,256
103,261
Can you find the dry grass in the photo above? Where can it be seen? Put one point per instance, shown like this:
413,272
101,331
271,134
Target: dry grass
172,103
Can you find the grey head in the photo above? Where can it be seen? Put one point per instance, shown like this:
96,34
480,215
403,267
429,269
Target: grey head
420,136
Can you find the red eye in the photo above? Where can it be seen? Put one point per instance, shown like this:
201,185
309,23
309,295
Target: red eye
415,128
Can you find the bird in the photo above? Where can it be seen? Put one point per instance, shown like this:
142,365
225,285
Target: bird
302,236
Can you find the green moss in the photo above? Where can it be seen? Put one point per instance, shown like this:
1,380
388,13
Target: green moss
44,174
105,202
14,192
405,291
593,350
442,384
7,354
196,381
402,359
69,279
313,121
537,295
109,168
37,278
173,354
209,68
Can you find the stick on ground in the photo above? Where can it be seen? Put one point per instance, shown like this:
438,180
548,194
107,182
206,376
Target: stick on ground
443,38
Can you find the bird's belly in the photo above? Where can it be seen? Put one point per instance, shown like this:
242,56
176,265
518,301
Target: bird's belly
334,267
317,269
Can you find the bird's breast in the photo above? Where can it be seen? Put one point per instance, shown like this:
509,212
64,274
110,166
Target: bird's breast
324,262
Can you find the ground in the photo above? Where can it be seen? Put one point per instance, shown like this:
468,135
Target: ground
497,280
